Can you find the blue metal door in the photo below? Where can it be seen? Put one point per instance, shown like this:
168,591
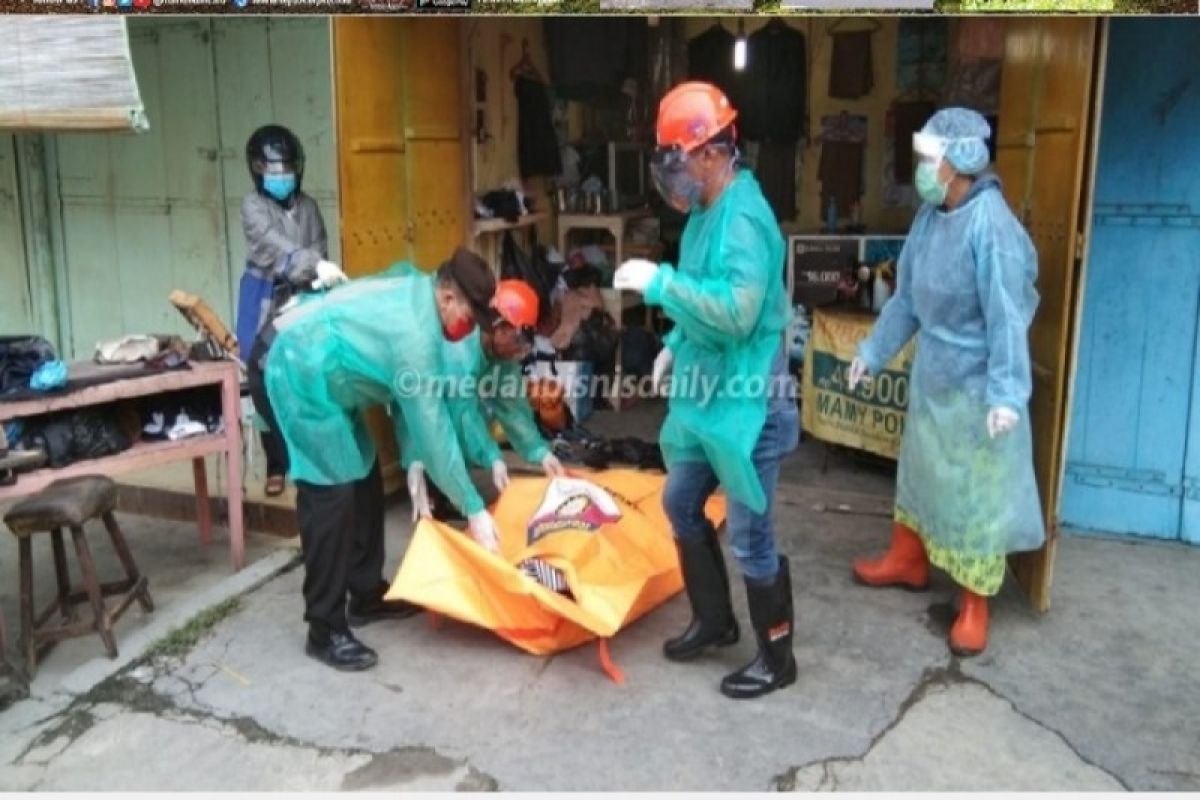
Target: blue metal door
1132,457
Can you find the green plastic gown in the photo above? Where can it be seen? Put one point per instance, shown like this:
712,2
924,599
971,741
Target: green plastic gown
372,341
730,309
498,384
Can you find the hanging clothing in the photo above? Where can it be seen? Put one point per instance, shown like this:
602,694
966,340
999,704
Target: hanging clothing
710,59
966,290
974,85
730,309
978,39
921,55
281,245
776,171
590,57
775,96
538,152
841,174
908,118
851,73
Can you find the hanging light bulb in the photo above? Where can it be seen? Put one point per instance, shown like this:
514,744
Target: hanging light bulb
739,47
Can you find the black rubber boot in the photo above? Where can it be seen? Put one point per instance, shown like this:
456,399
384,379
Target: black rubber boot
772,617
707,585
339,649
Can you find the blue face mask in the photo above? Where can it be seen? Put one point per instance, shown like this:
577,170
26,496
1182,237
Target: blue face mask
280,186
930,189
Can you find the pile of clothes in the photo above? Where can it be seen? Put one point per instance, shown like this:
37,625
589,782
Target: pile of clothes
578,445
75,435
29,362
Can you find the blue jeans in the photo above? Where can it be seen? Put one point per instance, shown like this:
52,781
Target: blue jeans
751,535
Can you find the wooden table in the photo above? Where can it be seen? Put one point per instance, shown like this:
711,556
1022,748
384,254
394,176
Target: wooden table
224,375
488,238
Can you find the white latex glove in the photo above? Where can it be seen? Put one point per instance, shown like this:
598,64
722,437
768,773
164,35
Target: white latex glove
635,274
552,466
1001,420
329,275
500,475
858,373
483,530
661,368
418,491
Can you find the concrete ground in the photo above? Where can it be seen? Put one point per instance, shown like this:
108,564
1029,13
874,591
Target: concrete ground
1095,695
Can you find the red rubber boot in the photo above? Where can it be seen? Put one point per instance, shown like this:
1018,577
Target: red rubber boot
968,636
905,563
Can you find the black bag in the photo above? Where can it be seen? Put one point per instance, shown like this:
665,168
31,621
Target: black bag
595,340
20,357
535,270
76,435
504,203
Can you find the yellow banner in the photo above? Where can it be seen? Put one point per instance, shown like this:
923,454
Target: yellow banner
871,417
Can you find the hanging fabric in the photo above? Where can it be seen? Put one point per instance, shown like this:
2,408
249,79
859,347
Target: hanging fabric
908,118
774,100
776,172
710,59
538,152
841,171
851,73
921,56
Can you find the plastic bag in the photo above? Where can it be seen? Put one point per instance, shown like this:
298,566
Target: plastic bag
20,358
617,567
536,270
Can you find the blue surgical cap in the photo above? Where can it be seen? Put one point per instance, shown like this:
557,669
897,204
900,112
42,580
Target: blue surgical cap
966,133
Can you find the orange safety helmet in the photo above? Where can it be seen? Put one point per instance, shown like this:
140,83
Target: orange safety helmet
691,114
517,303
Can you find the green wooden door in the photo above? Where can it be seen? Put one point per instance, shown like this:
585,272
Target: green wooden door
141,214
16,302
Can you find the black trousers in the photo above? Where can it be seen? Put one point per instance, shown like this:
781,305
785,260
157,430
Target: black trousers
341,531
272,440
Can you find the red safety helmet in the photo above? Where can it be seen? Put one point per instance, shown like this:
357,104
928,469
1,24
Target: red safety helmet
517,303
691,114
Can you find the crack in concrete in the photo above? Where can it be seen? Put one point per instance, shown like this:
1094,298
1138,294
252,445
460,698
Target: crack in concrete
140,698
933,677
957,666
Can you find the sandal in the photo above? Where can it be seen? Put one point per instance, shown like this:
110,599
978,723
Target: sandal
275,485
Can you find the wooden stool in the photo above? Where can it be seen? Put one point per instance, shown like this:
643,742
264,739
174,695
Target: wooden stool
70,503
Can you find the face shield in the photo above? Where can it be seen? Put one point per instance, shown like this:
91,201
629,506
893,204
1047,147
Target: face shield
675,176
928,149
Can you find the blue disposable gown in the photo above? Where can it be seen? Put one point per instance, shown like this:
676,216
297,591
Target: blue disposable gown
372,341
730,309
499,384
966,290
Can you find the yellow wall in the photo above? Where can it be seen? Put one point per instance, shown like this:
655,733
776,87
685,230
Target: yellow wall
496,159
874,106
